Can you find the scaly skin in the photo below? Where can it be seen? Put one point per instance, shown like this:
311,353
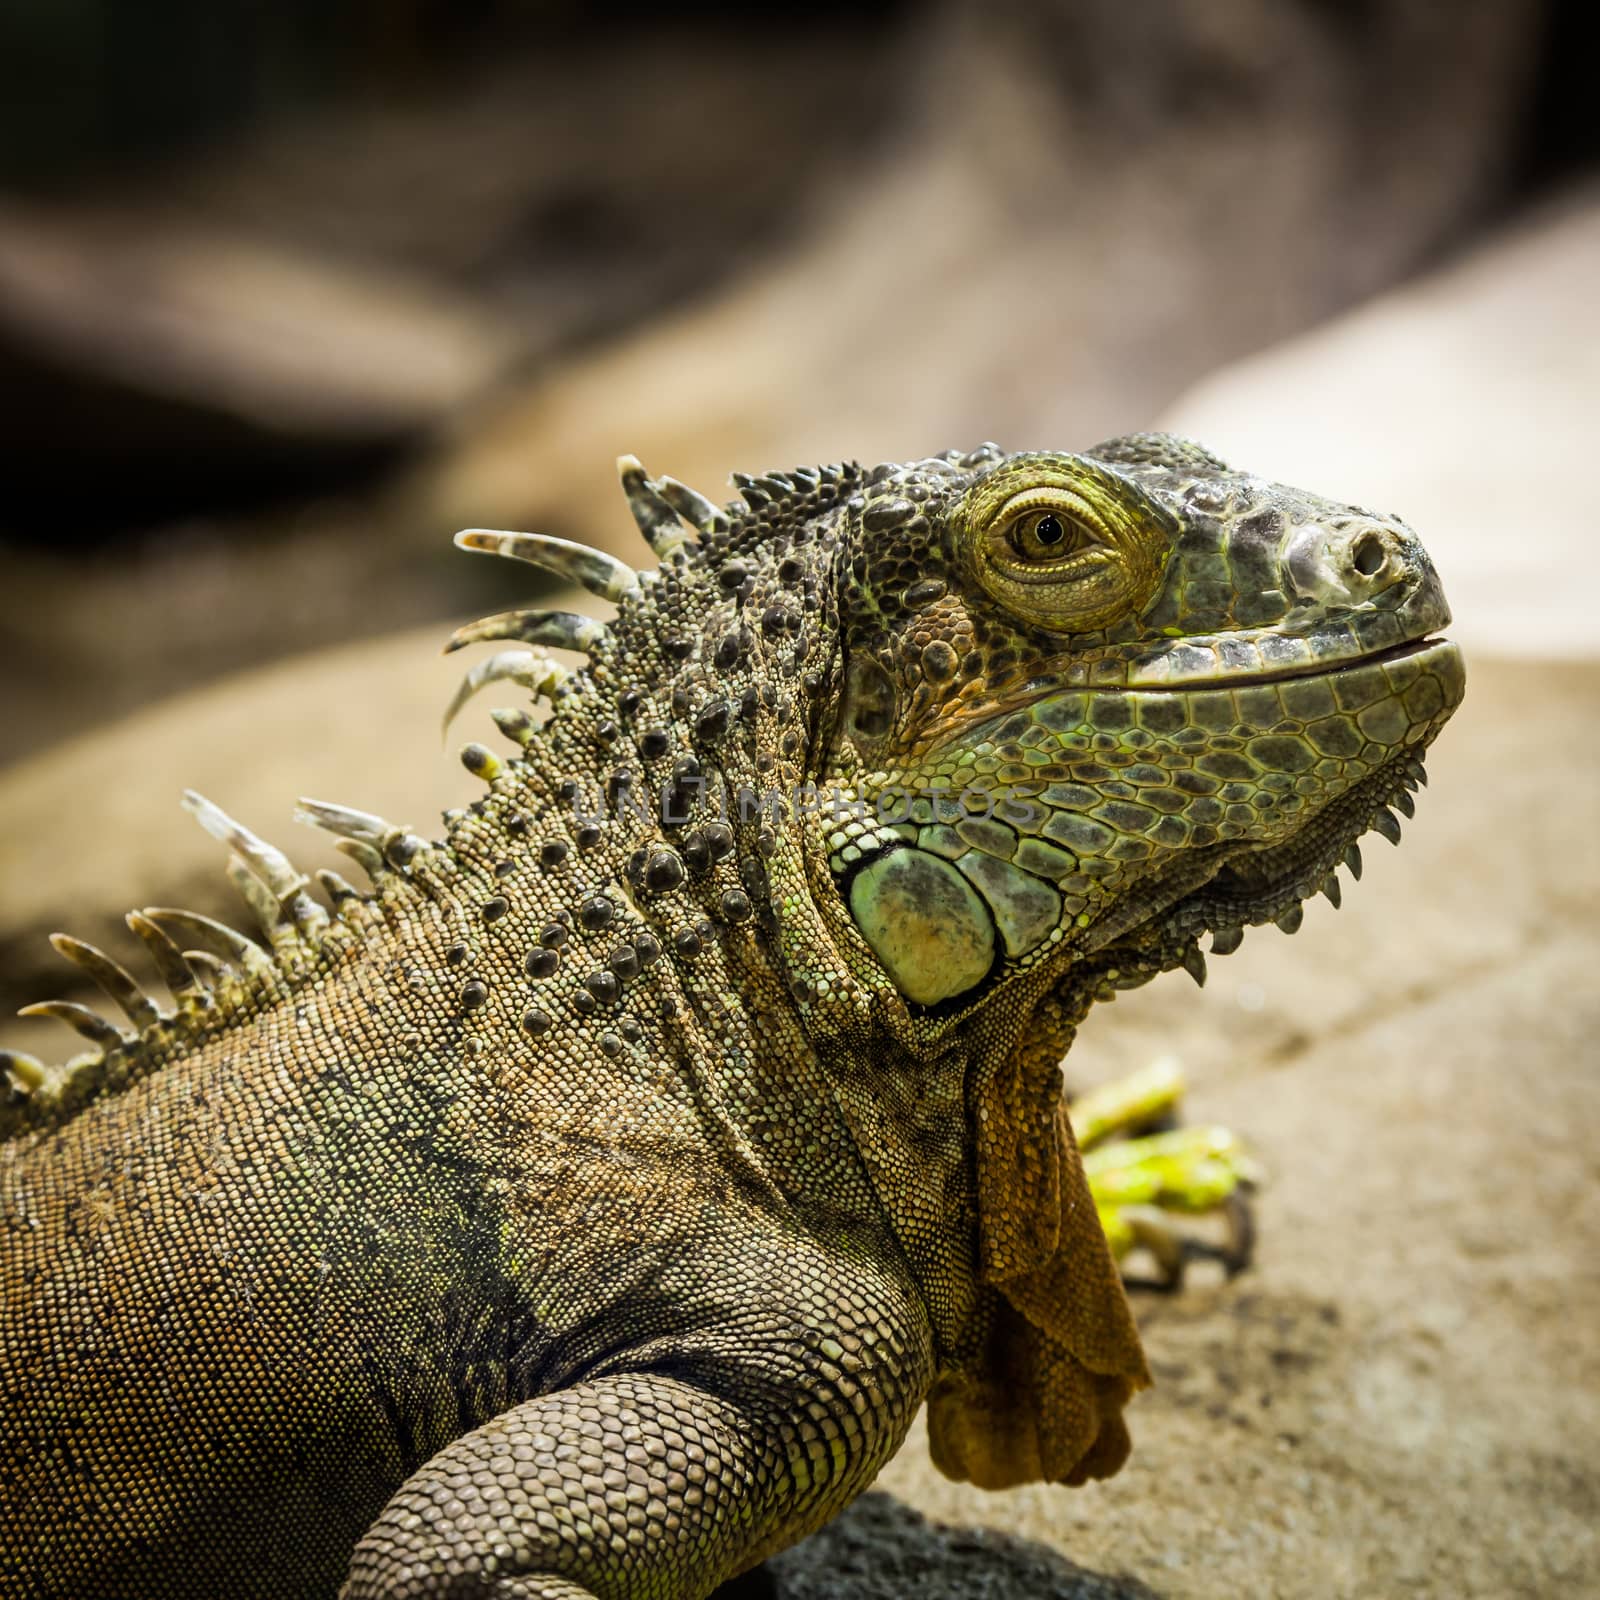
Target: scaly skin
587,1210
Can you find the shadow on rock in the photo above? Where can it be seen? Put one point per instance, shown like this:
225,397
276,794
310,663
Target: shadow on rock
880,1549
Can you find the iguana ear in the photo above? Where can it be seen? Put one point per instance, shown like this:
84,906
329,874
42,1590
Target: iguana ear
1054,1354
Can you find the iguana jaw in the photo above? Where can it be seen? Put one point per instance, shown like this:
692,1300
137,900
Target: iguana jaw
1158,814
1317,669
1270,881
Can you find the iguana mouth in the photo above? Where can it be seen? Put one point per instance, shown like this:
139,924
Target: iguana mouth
1315,669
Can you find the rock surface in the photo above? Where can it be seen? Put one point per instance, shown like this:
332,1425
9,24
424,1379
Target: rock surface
1403,1397
1466,401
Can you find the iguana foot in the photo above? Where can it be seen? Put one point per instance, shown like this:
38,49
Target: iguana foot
1144,1171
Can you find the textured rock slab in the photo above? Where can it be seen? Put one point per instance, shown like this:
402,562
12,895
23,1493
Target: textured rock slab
1466,402
1403,1396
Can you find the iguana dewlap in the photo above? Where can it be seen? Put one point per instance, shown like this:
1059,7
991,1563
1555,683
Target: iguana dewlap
587,1207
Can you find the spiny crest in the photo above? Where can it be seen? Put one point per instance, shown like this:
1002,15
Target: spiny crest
677,522
785,502
213,973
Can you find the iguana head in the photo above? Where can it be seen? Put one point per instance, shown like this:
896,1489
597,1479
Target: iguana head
1095,705
986,717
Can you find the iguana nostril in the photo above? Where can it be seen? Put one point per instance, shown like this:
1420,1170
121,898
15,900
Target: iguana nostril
1368,555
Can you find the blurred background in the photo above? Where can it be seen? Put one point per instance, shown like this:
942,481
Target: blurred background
291,291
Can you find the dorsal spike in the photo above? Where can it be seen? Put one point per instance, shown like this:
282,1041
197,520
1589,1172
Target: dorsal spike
116,981
210,969
481,761
266,911
338,889
396,845
168,958
538,674
1224,941
516,725
81,1019
700,513
241,952
270,865
27,1072
599,573
365,856
561,630
656,517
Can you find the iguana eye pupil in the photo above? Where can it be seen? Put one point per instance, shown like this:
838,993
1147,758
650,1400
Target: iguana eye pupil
1045,535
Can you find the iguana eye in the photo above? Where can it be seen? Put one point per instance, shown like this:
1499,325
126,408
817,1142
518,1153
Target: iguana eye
1063,543
1046,536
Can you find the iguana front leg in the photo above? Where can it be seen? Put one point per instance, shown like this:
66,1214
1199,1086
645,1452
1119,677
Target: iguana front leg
655,1484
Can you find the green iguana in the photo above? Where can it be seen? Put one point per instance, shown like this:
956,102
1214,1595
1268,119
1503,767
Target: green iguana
587,1208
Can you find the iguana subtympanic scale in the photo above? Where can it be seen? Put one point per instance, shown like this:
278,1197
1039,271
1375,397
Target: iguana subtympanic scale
587,1207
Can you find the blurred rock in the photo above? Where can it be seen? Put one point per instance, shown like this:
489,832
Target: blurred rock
274,310
1087,208
128,340
1081,211
1466,402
